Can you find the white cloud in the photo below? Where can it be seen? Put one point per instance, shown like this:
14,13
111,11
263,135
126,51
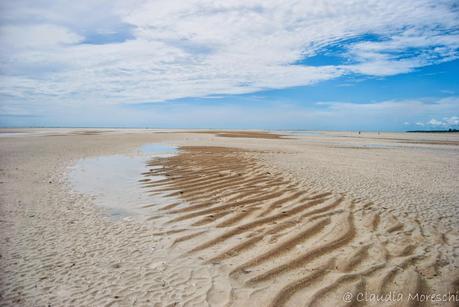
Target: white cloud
435,122
391,56
198,47
453,120
447,122
36,37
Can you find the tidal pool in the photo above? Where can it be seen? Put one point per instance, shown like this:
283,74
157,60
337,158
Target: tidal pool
113,180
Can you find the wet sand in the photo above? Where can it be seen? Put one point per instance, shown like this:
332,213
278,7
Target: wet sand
290,219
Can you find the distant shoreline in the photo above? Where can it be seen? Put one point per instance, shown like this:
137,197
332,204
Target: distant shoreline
434,131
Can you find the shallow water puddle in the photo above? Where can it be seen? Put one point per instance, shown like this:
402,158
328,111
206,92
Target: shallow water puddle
113,180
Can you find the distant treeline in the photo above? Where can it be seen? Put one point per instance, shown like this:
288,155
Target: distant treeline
434,131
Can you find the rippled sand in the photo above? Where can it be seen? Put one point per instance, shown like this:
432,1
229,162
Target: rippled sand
236,218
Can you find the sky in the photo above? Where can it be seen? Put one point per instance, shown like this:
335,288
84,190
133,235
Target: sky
385,65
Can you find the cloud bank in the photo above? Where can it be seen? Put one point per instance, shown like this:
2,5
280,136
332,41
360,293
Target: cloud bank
445,122
388,115
114,52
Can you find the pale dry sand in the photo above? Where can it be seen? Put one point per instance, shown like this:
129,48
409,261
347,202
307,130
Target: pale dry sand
252,220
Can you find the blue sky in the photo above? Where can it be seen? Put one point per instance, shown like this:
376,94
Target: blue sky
329,65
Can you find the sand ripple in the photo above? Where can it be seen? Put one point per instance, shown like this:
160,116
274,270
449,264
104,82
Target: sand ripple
282,243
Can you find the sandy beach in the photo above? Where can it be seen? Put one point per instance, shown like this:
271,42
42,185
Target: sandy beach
228,218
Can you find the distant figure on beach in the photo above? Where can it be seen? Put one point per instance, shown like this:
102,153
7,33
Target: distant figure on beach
359,132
